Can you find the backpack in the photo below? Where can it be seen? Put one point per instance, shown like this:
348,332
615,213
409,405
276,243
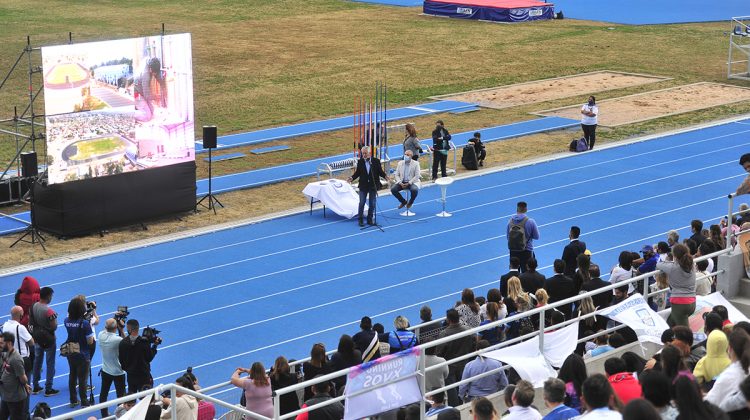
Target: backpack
517,235
42,336
579,145
469,157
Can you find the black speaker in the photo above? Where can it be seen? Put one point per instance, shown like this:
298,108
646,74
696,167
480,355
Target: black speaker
209,136
29,165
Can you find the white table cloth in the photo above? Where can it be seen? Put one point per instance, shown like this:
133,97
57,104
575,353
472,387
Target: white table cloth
335,194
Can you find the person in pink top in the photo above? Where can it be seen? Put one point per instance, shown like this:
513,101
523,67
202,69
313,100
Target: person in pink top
257,387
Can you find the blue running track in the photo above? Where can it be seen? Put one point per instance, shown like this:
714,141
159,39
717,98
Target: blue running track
320,126
231,297
645,12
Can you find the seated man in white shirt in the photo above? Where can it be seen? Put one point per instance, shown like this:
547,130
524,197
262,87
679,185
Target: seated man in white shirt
407,178
522,398
597,394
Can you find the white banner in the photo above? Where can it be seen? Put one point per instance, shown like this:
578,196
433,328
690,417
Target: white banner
138,412
527,360
718,299
636,314
559,344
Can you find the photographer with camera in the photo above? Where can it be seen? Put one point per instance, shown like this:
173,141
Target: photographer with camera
92,317
77,348
109,341
136,354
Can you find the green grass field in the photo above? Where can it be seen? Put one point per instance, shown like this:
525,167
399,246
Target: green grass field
92,148
263,63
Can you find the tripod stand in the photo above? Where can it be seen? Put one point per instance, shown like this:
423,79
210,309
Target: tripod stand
212,200
31,234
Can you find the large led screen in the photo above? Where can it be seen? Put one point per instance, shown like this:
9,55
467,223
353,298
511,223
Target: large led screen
118,106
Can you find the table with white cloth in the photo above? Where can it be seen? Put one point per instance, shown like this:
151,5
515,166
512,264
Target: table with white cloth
336,194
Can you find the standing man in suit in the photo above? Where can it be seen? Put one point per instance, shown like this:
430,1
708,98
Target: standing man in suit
407,178
515,271
440,147
573,250
560,287
369,171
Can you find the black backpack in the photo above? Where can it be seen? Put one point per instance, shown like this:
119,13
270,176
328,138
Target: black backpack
469,158
517,235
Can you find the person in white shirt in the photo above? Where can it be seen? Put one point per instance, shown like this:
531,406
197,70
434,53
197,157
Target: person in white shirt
109,342
725,393
23,341
407,178
522,398
596,396
589,120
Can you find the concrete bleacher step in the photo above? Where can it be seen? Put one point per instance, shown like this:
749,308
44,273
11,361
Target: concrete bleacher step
742,304
744,287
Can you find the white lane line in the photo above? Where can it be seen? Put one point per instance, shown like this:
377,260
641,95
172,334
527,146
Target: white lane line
680,146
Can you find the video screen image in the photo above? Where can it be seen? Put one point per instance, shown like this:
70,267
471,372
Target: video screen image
118,106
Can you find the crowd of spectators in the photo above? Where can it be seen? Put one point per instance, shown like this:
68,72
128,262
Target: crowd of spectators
90,125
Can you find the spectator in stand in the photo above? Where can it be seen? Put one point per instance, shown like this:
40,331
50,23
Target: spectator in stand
673,238
333,411
111,372
79,331
521,233
692,246
366,340
660,300
623,270
639,409
523,397
601,343
26,296
725,393
437,405
468,310
572,250
726,324
703,279
601,300
663,250
513,328
257,387
656,389
434,379
402,338
583,273
516,292
483,409
683,340
492,335
430,331
22,338
718,239
494,296
455,348
14,384
282,377
743,215
532,280
593,323
346,356
708,247
616,340
554,397
647,264
44,322
673,365
696,227
681,277
597,397
688,399
486,385
573,373
716,359
515,271
560,287
508,398
318,365
624,384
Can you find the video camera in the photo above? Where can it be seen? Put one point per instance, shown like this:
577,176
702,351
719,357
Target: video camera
151,335
122,314
90,308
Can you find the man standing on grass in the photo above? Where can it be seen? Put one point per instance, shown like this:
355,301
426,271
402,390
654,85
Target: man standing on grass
521,232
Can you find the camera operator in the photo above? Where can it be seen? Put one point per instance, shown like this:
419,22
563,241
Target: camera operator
109,341
92,317
136,354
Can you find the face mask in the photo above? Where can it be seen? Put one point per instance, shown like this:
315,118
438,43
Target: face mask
591,102
407,158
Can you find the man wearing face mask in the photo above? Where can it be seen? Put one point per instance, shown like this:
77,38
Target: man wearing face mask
589,120
407,178
14,387
369,171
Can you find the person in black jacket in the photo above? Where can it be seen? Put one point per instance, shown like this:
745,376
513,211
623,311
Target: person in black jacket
369,171
572,251
334,411
479,148
367,341
440,147
560,287
135,356
532,280
515,271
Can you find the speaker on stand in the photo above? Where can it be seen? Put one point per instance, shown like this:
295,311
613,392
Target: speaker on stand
209,142
30,171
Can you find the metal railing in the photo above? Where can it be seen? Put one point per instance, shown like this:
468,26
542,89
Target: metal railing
422,370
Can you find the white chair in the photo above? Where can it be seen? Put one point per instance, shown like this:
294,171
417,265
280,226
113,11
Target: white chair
407,212
443,183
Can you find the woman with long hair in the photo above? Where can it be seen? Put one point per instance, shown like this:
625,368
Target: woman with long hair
690,403
681,277
318,365
257,387
673,364
573,373
516,292
493,295
346,356
411,142
468,310
716,236
583,274
80,332
492,335
724,392
282,377
186,406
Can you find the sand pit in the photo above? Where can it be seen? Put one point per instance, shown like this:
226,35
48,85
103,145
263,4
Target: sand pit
551,89
660,103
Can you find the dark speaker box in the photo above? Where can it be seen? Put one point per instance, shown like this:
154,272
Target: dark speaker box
29,166
209,136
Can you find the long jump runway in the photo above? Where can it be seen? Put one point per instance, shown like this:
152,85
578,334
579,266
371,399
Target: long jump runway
231,297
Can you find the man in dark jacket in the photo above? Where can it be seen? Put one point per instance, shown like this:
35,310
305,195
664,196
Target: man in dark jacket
334,411
366,341
532,280
135,357
573,250
440,147
602,299
453,349
560,287
369,171
515,271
